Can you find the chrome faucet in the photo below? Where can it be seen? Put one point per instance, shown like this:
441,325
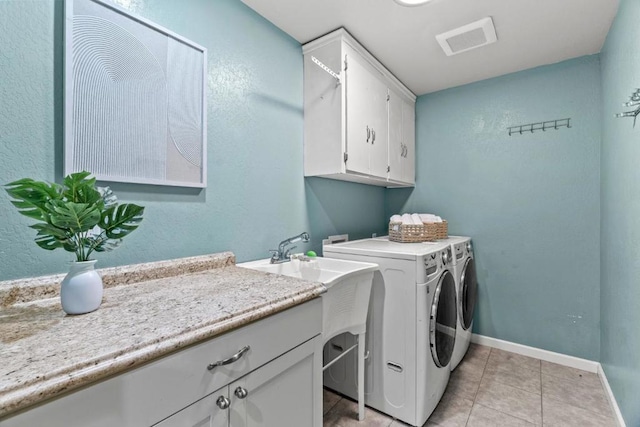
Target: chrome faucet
281,254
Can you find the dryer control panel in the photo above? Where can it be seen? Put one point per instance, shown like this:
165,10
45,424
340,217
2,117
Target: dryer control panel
459,250
431,264
446,256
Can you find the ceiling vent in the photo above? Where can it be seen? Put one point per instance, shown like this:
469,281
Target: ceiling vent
468,37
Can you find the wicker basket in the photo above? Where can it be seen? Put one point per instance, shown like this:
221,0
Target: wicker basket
436,230
404,233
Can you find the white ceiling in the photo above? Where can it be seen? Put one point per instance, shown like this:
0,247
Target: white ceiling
530,33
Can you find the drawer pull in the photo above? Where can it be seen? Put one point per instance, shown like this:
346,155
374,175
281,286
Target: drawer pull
241,393
230,360
223,402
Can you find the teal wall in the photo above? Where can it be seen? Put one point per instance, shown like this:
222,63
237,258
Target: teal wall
620,220
530,202
256,195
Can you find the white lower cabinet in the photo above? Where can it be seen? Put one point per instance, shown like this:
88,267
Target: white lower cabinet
278,365
281,393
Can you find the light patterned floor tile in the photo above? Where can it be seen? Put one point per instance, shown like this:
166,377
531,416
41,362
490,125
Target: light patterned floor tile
481,416
463,384
477,352
452,411
510,400
560,414
513,360
345,414
329,400
589,379
520,377
576,394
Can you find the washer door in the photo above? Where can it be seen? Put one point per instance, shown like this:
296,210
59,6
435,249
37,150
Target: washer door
442,328
468,293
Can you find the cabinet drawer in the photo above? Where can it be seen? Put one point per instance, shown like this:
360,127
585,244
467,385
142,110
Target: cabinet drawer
150,393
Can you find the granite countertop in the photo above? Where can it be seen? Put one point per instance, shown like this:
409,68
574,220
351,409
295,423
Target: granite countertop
148,310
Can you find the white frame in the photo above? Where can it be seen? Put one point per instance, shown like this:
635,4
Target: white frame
68,95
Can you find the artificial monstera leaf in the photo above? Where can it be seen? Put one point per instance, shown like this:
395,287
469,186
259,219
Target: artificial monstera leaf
76,217
119,221
79,189
50,237
31,197
108,197
104,244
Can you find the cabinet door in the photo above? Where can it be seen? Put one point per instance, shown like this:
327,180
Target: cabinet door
203,413
379,155
358,115
286,392
409,140
396,146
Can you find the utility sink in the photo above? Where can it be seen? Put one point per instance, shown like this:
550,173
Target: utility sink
348,283
344,305
328,271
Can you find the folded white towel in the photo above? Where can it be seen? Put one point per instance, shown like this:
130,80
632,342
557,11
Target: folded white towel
407,220
396,218
416,219
427,218
438,219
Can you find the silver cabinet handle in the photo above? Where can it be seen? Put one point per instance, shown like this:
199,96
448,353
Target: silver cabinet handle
230,360
223,402
373,136
241,393
368,133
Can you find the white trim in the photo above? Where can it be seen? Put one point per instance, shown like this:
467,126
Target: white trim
610,396
549,356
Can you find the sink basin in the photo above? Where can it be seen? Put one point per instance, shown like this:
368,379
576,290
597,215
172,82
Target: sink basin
328,271
348,283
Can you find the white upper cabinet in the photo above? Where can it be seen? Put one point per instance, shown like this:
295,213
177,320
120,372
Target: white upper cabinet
360,127
402,124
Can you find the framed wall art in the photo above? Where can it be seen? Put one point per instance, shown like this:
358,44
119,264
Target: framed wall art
135,98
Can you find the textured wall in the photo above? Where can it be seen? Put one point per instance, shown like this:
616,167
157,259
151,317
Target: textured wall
620,226
256,193
530,202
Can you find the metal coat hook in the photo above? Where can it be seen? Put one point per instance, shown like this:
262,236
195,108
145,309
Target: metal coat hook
543,126
634,100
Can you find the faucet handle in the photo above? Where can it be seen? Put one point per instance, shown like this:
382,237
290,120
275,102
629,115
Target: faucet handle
288,252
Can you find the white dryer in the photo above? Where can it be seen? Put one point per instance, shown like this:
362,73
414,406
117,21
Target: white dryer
464,268
411,328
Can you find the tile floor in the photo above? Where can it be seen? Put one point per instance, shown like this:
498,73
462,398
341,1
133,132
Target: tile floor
496,388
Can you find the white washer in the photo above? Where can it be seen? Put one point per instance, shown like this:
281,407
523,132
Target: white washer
464,268
410,328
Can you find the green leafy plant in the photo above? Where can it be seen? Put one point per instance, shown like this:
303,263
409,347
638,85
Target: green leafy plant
76,216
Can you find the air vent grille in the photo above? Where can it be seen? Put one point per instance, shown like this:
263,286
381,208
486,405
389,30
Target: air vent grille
467,37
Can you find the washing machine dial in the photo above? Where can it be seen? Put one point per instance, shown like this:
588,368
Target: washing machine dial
445,258
469,247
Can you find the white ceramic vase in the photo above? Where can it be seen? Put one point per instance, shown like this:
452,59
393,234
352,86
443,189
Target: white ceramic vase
81,289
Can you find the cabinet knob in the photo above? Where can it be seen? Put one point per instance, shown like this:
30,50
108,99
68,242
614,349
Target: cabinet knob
241,393
223,402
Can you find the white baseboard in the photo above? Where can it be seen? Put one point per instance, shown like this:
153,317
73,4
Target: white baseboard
560,359
612,398
549,356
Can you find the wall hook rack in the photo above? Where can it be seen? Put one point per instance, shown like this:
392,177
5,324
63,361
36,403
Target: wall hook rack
634,101
327,69
543,126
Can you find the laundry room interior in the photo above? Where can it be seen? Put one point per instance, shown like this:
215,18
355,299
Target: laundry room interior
528,146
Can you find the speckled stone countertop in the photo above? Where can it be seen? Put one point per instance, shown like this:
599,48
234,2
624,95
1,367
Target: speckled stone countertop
148,310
